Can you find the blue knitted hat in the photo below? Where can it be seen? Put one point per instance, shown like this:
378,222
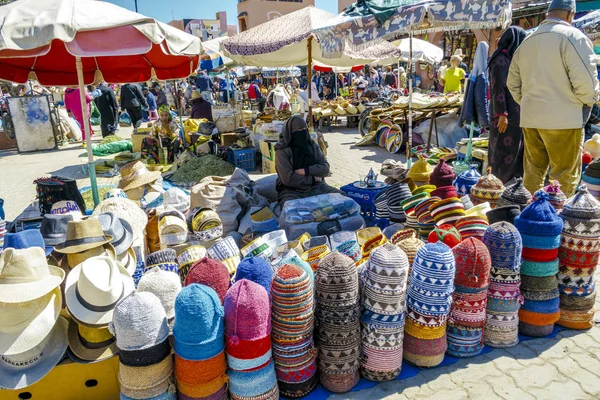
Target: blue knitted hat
539,218
567,5
255,269
253,383
466,180
199,326
504,243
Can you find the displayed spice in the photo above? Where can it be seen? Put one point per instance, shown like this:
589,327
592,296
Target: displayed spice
198,168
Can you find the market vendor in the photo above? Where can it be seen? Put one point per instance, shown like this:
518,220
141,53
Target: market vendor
165,134
327,93
200,107
454,76
300,164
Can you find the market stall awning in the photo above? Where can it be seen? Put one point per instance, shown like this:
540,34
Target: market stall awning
269,72
589,24
213,57
368,20
283,42
422,51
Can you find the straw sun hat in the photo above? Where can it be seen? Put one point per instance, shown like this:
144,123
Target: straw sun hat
83,235
91,344
135,174
125,209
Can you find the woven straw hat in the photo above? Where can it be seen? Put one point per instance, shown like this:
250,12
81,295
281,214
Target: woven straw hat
163,284
135,174
91,344
127,210
25,325
94,287
83,235
25,275
106,250
24,369
147,382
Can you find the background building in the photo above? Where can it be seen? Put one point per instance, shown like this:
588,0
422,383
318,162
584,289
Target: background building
342,4
206,29
254,12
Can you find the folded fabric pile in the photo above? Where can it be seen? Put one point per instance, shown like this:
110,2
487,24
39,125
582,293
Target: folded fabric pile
487,189
472,226
430,287
424,217
199,343
248,342
140,326
540,230
166,260
188,257
591,177
466,180
346,243
292,316
504,297
408,206
555,196
338,322
515,195
467,314
226,251
383,301
578,258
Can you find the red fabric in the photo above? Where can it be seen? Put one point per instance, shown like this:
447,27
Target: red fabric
328,69
247,349
252,91
73,103
539,255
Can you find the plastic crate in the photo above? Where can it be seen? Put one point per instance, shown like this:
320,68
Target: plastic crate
243,159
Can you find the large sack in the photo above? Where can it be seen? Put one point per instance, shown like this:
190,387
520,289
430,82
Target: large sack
212,192
266,187
246,190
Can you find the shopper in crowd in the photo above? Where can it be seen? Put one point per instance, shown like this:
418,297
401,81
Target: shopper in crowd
200,107
475,107
159,95
462,64
454,76
205,86
328,94
329,81
553,78
390,78
318,80
300,164
94,92
109,109
73,104
152,106
372,89
165,134
132,100
254,93
342,81
506,136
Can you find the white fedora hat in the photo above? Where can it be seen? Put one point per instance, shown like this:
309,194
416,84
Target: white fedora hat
25,325
129,260
22,370
94,287
25,275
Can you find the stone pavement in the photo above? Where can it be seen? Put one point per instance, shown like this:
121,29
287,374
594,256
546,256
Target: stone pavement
564,367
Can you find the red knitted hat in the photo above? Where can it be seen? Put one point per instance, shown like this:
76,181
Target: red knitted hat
211,273
444,192
442,175
446,234
473,264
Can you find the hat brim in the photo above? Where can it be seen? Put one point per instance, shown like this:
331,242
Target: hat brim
131,261
18,378
52,239
35,330
27,291
78,248
145,179
86,316
124,242
87,354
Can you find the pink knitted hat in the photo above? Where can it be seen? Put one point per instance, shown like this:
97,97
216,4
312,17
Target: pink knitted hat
247,311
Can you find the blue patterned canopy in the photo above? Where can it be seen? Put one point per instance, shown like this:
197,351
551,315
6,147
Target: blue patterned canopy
589,24
368,20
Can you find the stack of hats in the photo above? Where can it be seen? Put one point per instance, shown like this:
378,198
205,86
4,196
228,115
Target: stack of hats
257,248
199,344
53,229
408,206
591,177
487,189
504,298
140,326
228,252
396,194
211,273
84,239
381,205
420,171
29,238
442,174
205,225
134,176
540,229
467,314
292,317
172,228
382,322
423,213
430,287
263,220
338,326
165,285
466,180
33,335
578,257
446,234
255,269
248,342
346,243
447,211
166,260
515,195
188,257
555,196
121,234
424,189
472,226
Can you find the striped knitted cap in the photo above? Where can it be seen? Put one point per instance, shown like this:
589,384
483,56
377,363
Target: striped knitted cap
442,174
487,189
410,246
555,196
474,226
410,203
515,194
539,218
473,264
447,211
162,256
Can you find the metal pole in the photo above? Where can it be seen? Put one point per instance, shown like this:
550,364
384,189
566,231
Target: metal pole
227,87
87,130
309,86
136,7
410,109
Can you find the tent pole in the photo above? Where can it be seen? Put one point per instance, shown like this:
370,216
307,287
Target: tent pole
227,87
87,130
410,109
309,84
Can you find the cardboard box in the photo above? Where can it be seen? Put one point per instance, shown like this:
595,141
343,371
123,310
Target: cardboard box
268,166
136,141
70,380
267,149
227,139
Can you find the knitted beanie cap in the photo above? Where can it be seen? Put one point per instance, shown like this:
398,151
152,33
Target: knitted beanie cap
446,234
466,180
388,257
336,281
515,194
410,203
539,218
555,196
442,174
247,311
593,169
420,171
582,206
165,285
444,192
162,256
424,189
212,273
473,264
504,213
410,246
255,269
488,187
139,322
199,327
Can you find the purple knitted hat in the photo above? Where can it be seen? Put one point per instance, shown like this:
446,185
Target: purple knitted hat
442,174
247,311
